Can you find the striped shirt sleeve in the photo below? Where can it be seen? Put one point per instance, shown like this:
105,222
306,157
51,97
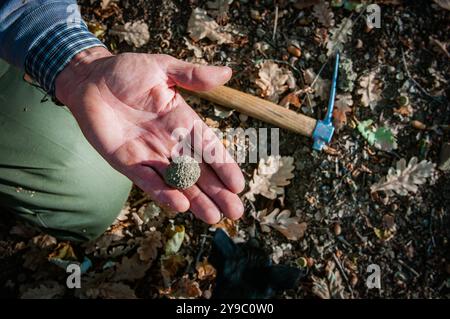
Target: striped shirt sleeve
42,37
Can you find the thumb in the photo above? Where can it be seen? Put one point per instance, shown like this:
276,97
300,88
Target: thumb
195,77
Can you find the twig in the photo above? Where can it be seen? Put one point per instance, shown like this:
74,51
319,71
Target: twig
401,262
344,275
275,26
412,79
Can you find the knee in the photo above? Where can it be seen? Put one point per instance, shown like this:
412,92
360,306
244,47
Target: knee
89,209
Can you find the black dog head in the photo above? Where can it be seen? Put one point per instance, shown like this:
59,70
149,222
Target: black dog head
245,271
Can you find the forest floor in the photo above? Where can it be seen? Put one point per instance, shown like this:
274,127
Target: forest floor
329,213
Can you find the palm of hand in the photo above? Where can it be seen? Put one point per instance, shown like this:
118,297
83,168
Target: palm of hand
129,109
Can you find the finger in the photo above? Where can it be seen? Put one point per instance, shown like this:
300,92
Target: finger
228,202
223,164
194,77
150,182
202,206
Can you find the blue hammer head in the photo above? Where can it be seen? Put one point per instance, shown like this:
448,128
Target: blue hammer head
324,128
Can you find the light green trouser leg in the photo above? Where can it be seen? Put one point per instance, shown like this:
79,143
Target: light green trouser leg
49,174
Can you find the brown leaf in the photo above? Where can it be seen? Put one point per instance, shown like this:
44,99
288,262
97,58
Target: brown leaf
324,14
370,90
341,108
131,269
229,225
134,33
111,290
205,270
281,221
271,176
305,4
49,290
445,4
200,26
291,99
148,251
183,288
273,80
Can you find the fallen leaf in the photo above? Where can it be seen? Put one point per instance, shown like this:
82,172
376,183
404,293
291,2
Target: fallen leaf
228,225
44,241
305,4
323,13
271,176
205,271
222,112
342,107
200,26
219,9
134,33
131,269
291,99
320,86
272,80
170,265
110,290
148,250
382,138
48,290
283,222
404,178
330,287
183,288
370,90
445,4
339,36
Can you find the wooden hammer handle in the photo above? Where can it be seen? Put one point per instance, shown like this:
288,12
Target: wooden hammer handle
260,109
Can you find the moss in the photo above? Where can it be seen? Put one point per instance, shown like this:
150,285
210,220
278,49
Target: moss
183,172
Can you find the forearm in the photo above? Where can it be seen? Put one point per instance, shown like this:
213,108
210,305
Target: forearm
42,37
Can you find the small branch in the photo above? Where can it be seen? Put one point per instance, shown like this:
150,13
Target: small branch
401,262
275,26
344,275
412,79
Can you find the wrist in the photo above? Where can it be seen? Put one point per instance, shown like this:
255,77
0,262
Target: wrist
77,71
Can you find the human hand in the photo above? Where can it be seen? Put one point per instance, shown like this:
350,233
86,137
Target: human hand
127,107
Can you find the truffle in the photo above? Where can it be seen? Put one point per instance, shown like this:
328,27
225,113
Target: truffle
183,172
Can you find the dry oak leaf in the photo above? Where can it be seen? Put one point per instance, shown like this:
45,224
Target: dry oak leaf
305,4
110,290
48,290
135,33
283,222
404,178
341,108
148,251
339,36
131,269
205,270
273,80
200,26
445,4
271,176
324,14
184,288
370,90
330,287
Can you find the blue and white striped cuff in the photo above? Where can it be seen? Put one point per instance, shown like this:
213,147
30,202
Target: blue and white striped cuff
53,51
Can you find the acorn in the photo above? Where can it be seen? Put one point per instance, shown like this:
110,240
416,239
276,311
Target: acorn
337,229
294,50
418,125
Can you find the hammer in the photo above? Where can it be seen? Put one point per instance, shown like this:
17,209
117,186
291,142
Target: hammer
321,131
